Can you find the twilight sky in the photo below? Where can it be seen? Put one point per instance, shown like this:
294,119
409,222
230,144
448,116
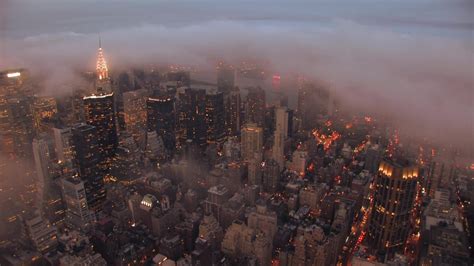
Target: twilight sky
411,60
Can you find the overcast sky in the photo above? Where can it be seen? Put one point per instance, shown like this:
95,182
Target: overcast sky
410,59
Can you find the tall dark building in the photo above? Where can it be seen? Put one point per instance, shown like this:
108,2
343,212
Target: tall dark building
225,77
100,113
192,116
21,127
291,114
255,106
313,101
215,117
394,195
233,112
161,117
86,159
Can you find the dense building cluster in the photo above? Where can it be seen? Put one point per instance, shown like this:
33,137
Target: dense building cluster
151,167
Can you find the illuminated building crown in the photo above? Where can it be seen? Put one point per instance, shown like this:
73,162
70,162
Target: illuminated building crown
102,71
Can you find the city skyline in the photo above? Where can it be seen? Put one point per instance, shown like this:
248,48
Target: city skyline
308,133
396,69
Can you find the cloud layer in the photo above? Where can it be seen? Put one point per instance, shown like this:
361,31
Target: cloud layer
422,80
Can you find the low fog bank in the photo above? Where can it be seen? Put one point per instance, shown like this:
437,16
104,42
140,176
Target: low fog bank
422,81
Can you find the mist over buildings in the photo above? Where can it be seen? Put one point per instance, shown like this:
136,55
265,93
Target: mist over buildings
411,61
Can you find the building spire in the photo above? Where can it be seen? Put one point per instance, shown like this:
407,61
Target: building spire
102,71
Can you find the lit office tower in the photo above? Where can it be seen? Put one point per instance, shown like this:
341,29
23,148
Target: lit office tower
225,77
13,82
161,118
21,125
255,106
233,111
78,214
280,135
86,159
393,199
215,118
192,115
62,143
44,110
134,109
100,113
251,141
16,120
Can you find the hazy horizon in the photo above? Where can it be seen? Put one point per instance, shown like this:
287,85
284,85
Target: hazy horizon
411,60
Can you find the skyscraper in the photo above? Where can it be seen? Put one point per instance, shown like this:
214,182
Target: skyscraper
62,142
394,195
11,85
102,71
77,212
271,175
255,106
135,114
161,118
100,113
251,141
21,125
313,101
225,77
44,110
47,172
43,154
87,157
192,115
233,112
215,117
280,135
254,172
